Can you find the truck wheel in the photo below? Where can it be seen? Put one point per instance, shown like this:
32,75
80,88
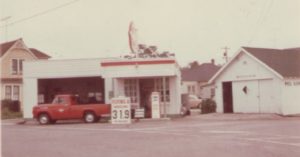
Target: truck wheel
44,119
89,117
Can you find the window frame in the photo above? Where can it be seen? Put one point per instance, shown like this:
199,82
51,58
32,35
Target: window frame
13,93
18,68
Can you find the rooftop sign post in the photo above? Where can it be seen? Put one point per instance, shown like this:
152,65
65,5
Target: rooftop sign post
120,110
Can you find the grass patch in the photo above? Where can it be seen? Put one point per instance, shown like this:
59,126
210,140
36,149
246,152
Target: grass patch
7,114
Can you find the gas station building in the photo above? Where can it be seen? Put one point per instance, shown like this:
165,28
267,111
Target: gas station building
101,80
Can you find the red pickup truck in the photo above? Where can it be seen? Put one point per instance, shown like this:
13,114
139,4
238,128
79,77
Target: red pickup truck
66,107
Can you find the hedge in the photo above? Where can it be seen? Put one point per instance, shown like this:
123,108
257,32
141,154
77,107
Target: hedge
208,106
12,105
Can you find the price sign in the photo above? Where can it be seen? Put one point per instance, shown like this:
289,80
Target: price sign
120,110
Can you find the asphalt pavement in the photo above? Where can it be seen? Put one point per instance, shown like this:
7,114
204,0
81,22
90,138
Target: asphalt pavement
226,135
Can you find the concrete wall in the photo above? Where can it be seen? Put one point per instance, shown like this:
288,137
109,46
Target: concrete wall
30,96
62,68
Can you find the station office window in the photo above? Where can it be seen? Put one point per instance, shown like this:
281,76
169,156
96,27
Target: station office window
130,86
159,87
16,66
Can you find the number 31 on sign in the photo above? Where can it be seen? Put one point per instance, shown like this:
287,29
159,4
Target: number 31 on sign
120,110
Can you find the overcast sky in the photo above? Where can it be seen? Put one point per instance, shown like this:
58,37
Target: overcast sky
192,29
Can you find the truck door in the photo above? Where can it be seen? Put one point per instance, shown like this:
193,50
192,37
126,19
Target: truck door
61,108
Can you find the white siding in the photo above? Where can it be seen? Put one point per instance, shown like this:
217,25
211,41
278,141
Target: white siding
140,71
291,97
175,96
263,87
30,96
245,102
62,68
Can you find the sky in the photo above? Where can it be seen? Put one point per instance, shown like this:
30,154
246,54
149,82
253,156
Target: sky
192,29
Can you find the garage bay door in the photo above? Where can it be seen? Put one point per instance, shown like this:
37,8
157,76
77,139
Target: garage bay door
255,96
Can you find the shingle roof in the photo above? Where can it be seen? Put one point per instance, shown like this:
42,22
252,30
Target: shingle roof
284,61
39,54
201,73
4,47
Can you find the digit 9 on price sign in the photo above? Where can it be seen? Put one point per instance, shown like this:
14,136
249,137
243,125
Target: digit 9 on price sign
120,110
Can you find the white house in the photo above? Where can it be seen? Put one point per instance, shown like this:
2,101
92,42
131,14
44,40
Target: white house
259,80
194,78
103,78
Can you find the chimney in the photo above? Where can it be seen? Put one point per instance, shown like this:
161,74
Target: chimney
213,61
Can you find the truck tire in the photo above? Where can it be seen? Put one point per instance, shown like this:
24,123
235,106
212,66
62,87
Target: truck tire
44,119
89,117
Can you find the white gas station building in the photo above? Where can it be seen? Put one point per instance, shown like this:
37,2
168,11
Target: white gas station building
104,79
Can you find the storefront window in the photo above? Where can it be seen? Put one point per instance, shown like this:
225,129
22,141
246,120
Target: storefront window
159,88
130,86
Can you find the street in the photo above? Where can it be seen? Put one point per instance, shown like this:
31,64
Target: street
200,135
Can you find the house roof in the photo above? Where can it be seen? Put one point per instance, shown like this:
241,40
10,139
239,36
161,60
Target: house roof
201,73
4,47
286,62
39,54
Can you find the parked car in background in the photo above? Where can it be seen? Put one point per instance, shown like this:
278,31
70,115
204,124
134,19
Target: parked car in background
194,101
190,102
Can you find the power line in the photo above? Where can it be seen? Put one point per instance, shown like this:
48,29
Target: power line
40,13
264,13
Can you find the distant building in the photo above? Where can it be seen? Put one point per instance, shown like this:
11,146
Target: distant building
195,77
12,55
259,80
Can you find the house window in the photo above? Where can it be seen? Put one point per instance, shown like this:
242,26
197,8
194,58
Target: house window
14,66
17,66
8,92
12,92
191,89
21,66
159,87
130,87
16,93
212,92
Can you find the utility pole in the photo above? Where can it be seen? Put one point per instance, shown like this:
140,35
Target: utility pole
5,19
225,54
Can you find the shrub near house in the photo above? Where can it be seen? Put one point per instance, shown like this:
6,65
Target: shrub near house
208,106
10,109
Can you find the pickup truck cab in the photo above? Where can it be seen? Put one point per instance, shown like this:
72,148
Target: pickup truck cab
66,107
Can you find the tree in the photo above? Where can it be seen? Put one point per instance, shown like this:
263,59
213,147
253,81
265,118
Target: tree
194,64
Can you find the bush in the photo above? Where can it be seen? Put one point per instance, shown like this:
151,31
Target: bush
7,114
12,105
208,106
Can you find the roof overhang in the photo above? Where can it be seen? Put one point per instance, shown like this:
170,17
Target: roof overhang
139,67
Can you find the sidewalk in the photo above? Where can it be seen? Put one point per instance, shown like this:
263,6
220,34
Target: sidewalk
241,116
18,121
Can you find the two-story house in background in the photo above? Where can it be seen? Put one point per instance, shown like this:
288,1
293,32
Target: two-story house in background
12,55
194,78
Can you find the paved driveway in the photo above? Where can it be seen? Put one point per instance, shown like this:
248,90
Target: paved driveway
208,135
